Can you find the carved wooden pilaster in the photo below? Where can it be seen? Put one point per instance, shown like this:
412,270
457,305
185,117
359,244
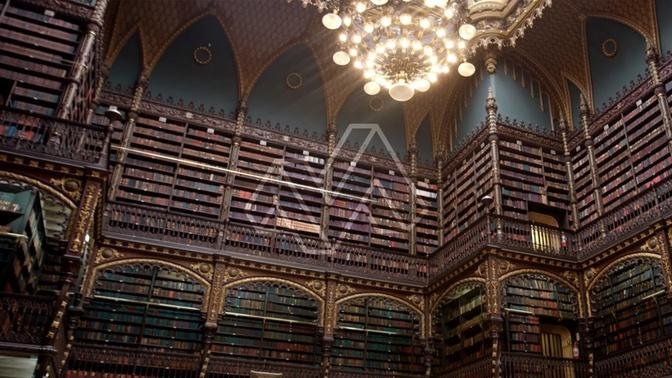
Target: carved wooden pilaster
241,114
666,258
586,344
495,321
493,139
79,67
588,141
570,173
328,180
329,318
83,218
413,160
127,132
652,60
439,182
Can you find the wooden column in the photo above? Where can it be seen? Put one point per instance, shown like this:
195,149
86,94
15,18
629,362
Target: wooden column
125,141
564,130
439,182
329,319
79,68
588,142
494,316
215,302
666,257
493,139
241,114
412,158
100,83
652,60
328,180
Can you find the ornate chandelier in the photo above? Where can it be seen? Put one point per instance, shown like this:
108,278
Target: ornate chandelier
400,45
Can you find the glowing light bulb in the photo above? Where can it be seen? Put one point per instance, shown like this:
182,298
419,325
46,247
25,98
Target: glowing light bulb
379,2
341,58
404,43
352,52
368,28
342,37
425,23
417,45
421,85
466,69
449,12
358,64
360,7
331,21
452,58
386,21
405,19
356,38
372,88
440,33
347,20
461,44
467,31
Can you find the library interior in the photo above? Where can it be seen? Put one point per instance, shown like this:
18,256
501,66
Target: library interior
335,188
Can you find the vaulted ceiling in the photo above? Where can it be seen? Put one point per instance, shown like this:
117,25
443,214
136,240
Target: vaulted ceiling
553,46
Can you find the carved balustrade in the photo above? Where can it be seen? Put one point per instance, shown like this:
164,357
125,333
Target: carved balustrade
651,360
52,139
25,319
527,365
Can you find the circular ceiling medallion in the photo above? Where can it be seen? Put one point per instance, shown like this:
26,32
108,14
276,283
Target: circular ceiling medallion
609,48
294,80
376,104
203,55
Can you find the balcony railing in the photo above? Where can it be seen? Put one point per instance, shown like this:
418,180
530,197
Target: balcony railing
150,225
28,134
25,319
481,368
515,365
122,362
652,360
226,367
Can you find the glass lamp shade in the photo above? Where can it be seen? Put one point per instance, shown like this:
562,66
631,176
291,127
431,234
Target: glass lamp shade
341,58
466,69
379,2
421,85
467,31
401,92
331,21
372,88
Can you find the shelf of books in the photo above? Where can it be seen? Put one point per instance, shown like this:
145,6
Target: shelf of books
583,185
426,216
21,262
141,305
269,322
349,217
377,335
459,327
465,185
37,50
390,209
180,168
531,174
255,196
630,307
529,298
300,208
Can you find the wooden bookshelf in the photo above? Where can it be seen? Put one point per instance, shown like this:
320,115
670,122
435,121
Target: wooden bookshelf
467,181
630,307
426,216
37,51
528,299
531,173
390,209
22,239
350,217
377,335
141,305
269,322
459,329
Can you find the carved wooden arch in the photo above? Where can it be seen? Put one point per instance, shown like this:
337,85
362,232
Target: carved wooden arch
111,55
601,274
567,78
149,66
271,280
540,73
648,37
584,41
551,276
411,307
41,186
301,39
93,274
444,295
